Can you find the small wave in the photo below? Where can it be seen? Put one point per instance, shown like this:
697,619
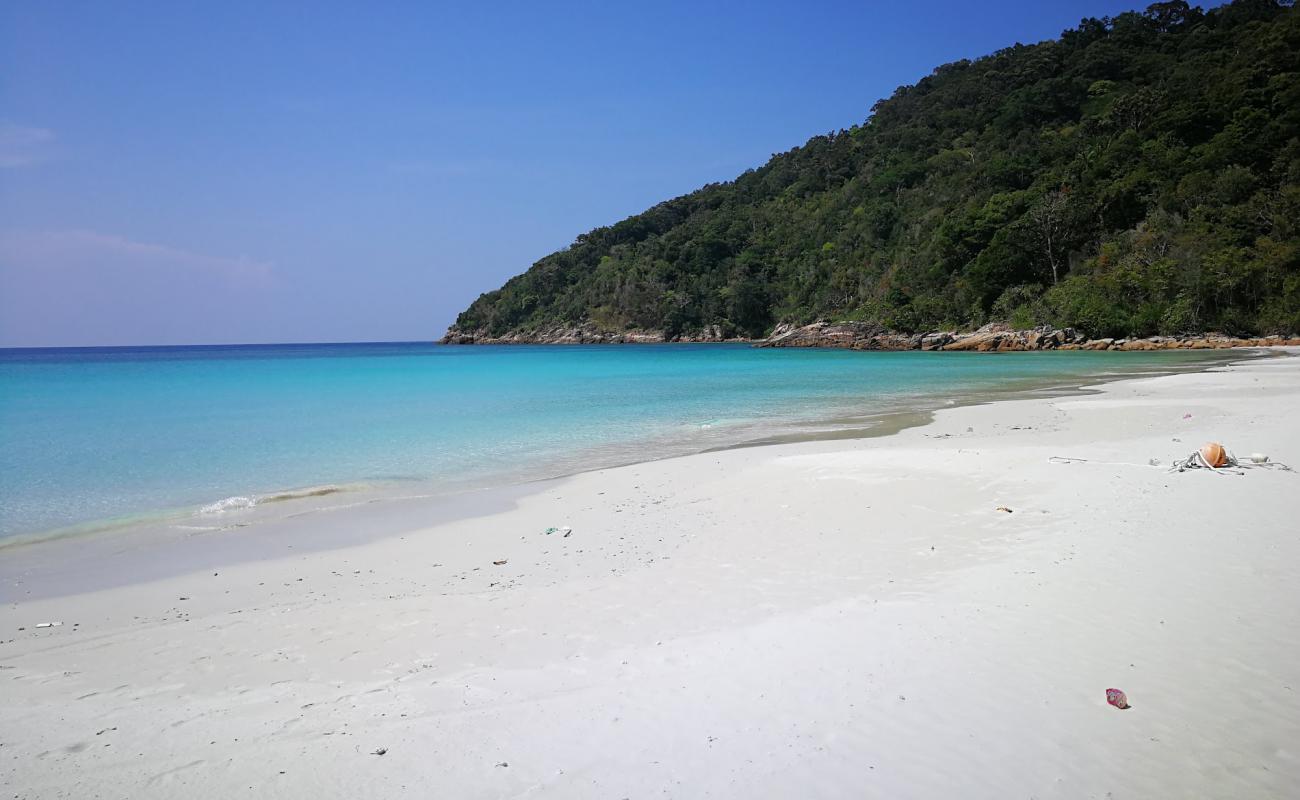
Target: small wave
243,503
298,494
229,504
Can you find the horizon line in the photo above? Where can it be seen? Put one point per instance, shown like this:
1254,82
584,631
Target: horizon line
211,344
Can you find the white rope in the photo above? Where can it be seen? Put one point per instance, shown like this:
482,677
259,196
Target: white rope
1070,459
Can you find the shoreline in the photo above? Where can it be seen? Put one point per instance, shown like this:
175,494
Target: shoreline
851,617
178,540
995,337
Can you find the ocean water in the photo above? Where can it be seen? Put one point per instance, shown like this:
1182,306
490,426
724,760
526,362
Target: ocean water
101,436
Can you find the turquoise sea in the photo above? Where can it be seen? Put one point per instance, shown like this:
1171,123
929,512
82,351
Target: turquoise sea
92,437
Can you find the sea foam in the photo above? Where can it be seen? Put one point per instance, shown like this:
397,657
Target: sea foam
243,502
229,504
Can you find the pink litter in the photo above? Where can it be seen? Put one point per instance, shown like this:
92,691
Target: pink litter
1117,698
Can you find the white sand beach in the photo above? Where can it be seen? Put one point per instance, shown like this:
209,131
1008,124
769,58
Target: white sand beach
851,618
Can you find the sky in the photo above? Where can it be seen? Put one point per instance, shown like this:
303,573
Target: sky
181,173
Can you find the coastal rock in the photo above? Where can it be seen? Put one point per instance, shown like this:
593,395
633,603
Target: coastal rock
994,337
991,338
587,333
1139,344
936,341
977,342
825,334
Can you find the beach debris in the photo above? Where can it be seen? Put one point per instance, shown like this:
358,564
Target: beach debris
1213,454
48,624
1218,459
379,752
564,529
503,764
1003,508
499,563
1117,698
1151,462
1187,416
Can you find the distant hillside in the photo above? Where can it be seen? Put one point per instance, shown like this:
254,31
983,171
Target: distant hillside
1138,176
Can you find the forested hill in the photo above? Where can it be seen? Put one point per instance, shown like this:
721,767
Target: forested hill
1138,176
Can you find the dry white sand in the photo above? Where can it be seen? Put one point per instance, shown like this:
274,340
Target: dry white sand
827,619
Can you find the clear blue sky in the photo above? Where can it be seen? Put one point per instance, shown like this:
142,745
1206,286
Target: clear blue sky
179,172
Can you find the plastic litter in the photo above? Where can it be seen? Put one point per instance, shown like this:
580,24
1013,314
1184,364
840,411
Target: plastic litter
1212,453
48,624
566,530
1003,508
1219,459
498,563
1117,698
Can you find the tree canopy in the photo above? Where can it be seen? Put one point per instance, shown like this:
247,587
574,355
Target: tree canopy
1138,175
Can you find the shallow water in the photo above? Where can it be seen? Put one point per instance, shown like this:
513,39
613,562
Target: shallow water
95,436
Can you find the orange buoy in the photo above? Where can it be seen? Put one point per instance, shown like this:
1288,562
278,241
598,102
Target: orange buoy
1214,454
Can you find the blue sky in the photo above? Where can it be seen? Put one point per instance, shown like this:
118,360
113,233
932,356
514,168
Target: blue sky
267,172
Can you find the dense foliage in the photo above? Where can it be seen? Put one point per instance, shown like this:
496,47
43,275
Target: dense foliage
1139,175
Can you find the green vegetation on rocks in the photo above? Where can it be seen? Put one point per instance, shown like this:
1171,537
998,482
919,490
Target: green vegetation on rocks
1140,175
